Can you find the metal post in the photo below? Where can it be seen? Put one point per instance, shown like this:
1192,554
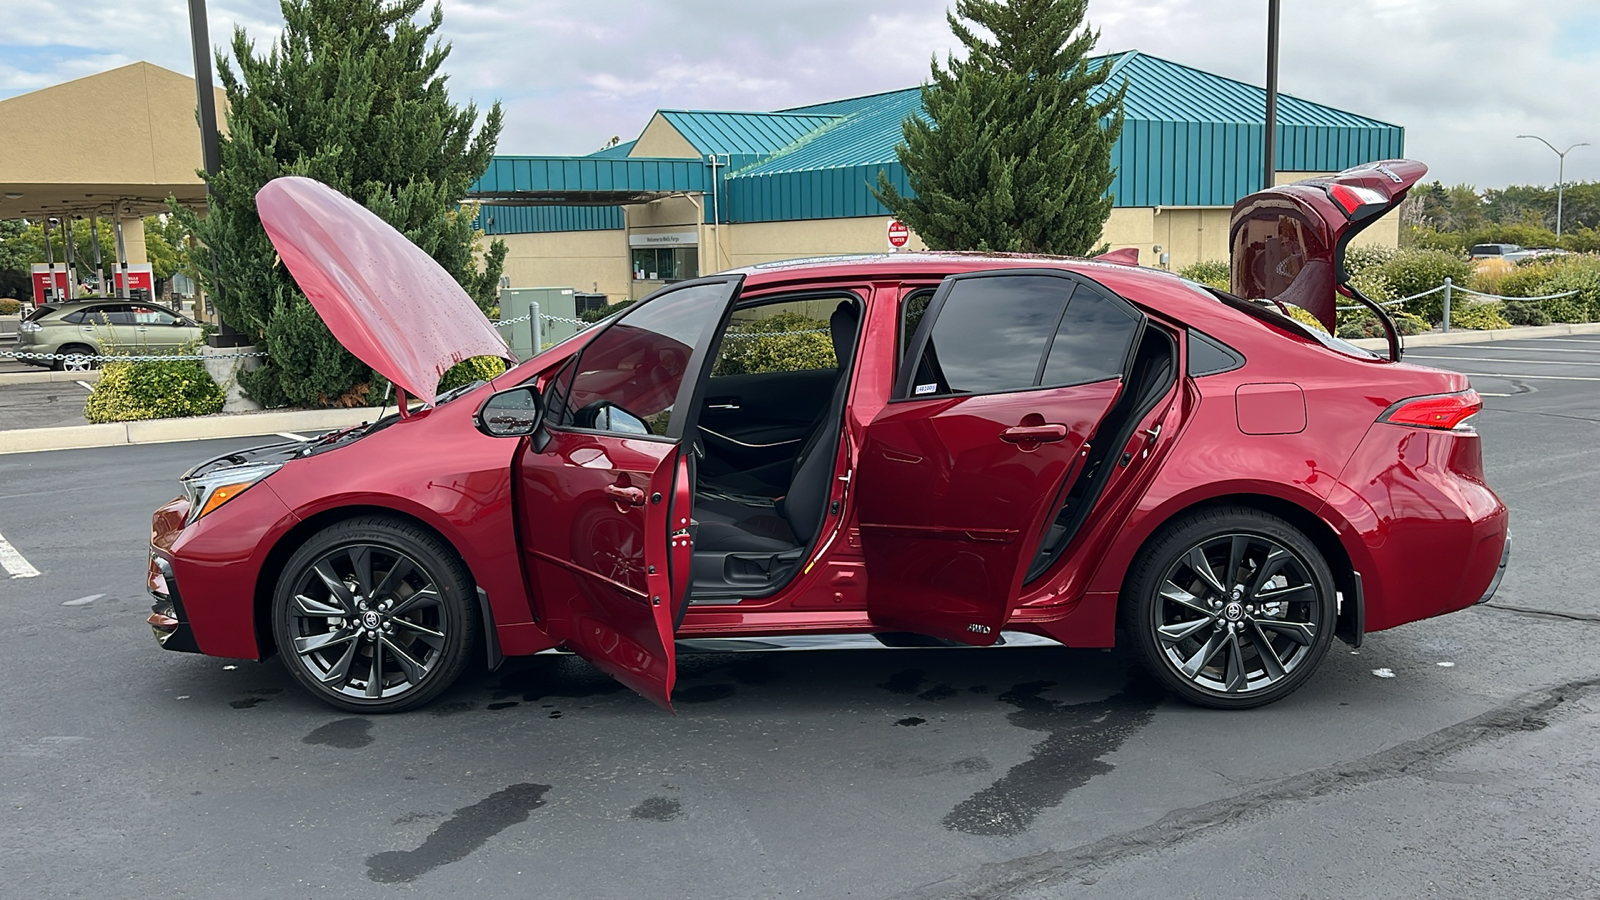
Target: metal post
122,262
537,327
68,250
1269,137
99,268
50,262
1561,185
210,151
1447,288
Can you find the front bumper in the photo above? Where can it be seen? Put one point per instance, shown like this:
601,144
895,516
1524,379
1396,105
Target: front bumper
1499,573
167,619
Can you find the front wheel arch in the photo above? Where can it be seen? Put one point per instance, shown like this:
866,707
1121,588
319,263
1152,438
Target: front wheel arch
294,538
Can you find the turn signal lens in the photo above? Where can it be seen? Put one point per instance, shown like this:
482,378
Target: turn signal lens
1443,411
208,492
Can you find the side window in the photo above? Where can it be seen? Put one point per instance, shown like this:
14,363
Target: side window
794,336
628,379
113,315
146,315
1092,341
912,308
991,334
81,317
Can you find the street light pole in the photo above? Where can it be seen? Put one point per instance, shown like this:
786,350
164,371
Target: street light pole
1561,170
1270,136
210,152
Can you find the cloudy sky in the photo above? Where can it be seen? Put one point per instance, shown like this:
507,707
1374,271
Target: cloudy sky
1463,76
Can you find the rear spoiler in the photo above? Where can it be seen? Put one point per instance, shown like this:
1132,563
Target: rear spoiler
1288,242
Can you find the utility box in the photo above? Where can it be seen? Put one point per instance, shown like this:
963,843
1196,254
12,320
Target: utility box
556,311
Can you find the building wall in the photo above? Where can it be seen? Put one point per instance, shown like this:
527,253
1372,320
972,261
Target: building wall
660,139
583,260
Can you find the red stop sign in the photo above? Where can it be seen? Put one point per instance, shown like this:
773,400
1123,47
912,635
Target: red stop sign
898,233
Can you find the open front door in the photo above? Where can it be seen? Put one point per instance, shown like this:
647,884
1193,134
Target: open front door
1006,379
604,502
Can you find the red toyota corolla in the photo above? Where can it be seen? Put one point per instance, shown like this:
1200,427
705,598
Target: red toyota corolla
948,445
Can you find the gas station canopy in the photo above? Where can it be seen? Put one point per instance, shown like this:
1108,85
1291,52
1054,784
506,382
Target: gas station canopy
116,144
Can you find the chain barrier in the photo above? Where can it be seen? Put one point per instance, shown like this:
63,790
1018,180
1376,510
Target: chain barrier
118,357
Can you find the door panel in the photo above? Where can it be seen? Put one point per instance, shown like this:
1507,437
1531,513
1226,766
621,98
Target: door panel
598,558
952,505
595,499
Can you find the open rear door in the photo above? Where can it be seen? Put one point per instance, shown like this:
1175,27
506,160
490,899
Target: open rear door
1008,377
604,494
1288,242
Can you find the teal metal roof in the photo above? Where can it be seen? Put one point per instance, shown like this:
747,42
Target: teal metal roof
620,151
541,219
585,180
740,133
1191,138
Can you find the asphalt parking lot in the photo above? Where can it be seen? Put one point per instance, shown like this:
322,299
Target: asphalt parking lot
1457,757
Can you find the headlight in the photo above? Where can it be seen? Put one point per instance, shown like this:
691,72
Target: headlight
211,490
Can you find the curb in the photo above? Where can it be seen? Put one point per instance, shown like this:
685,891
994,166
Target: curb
46,376
1440,338
164,431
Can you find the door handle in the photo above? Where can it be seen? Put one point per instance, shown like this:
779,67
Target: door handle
1034,434
630,495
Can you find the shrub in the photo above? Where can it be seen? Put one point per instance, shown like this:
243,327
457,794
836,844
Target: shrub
1582,307
1525,312
1360,259
595,315
1366,325
9,307
152,389
478,368
1411,272
1479,316
1305,318
786,342
1212,272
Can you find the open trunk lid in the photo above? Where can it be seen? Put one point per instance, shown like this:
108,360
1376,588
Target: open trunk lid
1288,242
387,301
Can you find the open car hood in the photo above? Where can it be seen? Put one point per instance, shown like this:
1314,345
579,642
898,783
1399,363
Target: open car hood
386,301
1287,243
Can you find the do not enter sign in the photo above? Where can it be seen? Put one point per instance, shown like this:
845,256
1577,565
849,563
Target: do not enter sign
898,233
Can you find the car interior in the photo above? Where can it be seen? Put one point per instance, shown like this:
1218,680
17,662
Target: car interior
767,440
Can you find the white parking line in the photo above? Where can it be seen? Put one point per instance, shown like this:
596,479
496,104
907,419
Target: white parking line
1536,377
1504,348
1515,362
87,386
293,437
13,562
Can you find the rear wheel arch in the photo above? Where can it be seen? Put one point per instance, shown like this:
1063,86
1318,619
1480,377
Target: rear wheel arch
1314,527
294,538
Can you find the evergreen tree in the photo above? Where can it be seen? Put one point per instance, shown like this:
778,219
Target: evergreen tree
352,95
1012,154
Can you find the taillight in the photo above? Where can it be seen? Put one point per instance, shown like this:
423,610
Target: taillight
1358,202
1443,411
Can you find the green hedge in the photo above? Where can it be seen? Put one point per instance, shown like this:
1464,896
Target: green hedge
152,389
9,307
478,368
1212,272
787,342
1411,272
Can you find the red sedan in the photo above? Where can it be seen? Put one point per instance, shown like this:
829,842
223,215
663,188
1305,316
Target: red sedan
948,445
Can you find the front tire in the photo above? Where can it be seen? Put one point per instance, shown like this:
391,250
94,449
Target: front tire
1230,608
374,615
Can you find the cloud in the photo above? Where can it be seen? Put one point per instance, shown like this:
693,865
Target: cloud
1463,76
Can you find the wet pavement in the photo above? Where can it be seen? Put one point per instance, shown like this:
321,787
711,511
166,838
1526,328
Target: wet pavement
1453,757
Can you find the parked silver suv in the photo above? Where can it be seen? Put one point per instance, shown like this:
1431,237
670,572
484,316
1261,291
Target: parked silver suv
77,333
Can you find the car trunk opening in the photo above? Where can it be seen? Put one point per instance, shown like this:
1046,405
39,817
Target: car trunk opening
1288,243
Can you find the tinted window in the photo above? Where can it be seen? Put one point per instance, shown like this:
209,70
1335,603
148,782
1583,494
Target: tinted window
638,364
150,315
76,318
1093,341
1208,356
779,337
990,335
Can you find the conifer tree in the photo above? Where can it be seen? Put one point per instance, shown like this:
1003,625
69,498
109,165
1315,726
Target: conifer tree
350,94
1013,154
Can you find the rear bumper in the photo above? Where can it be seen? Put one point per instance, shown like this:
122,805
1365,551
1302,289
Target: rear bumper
1494,585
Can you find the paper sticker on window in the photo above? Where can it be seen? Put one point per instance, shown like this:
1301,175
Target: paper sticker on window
926,388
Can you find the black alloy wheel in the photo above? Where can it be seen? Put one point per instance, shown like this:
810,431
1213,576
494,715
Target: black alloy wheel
1231,608
375,615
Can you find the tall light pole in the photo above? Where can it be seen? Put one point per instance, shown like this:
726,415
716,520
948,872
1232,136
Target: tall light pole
1269,140
1561,177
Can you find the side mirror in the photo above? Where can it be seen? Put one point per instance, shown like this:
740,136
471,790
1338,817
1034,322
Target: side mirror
513,413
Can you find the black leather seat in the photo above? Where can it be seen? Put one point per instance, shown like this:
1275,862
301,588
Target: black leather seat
727,524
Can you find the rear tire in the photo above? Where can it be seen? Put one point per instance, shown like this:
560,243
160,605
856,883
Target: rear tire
1230,608
375,615
76,358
